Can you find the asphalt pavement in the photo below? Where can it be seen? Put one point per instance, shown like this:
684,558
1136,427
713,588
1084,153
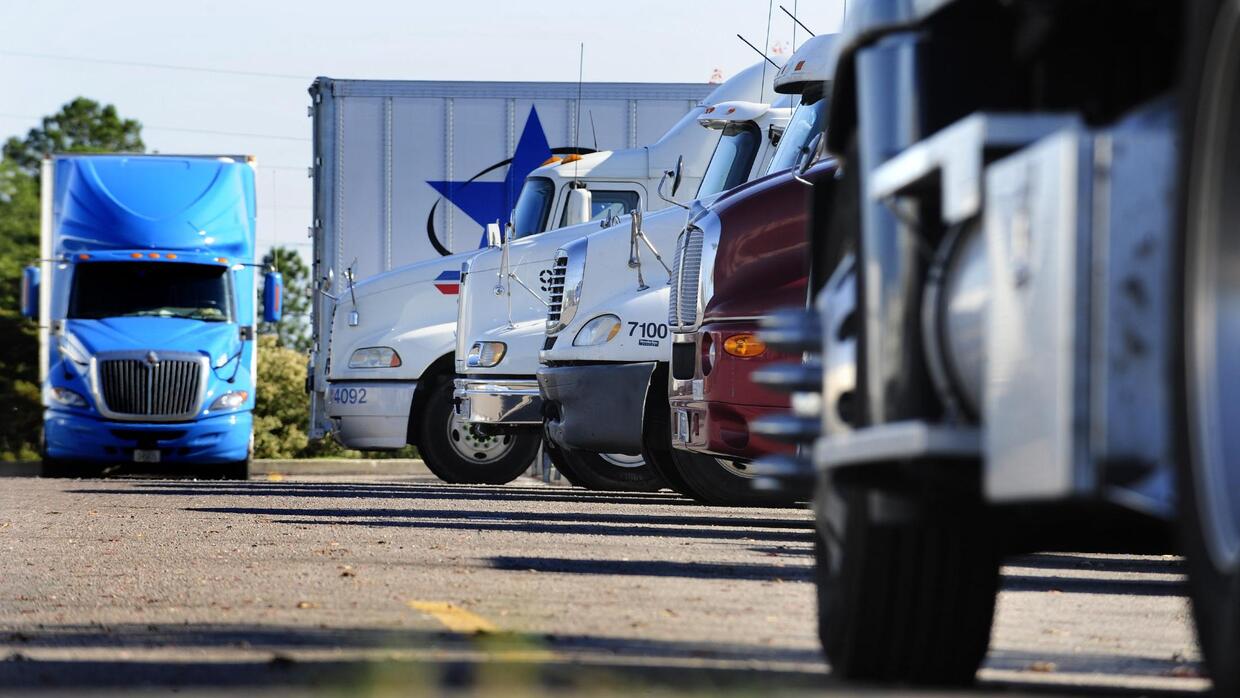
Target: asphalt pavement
382,584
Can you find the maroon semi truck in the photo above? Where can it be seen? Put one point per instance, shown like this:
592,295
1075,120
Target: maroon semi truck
740,262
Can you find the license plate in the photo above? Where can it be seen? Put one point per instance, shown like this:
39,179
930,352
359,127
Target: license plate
146,455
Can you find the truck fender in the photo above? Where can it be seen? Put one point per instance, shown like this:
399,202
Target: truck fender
442,368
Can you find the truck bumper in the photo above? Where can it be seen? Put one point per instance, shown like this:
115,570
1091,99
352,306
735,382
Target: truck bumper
596,408
221,439
370,415
499,401
712,407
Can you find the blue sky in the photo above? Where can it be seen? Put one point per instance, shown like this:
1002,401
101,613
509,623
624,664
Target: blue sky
629,41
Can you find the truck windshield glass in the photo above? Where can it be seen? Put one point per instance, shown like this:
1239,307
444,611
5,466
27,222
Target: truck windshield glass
151,289
533,205
733,157
807,122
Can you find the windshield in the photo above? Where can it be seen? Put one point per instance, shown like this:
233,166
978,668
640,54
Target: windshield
151,289
733,157
807,122
533,205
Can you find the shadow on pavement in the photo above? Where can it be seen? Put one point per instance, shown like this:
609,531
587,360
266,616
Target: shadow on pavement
656,568
375,661
388,491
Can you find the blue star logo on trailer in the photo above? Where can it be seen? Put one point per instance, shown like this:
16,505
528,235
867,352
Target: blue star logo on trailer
488,202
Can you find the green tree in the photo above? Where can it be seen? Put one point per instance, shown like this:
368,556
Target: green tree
20,403
81,126
293,330
281,411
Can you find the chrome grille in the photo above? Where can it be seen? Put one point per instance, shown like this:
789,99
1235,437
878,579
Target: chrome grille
686,272
139,388
555,291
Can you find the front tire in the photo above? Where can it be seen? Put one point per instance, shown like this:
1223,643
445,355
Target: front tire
1209,445
609,472
458,453
720,482
908,600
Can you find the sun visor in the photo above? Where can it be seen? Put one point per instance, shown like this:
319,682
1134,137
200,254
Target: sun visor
814,61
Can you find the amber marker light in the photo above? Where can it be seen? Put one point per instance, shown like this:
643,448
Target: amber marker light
222,260
83,256
153,255
136,255
745,346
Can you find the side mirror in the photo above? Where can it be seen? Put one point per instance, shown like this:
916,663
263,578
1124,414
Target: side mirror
680,169
30,292
580,201
494,236
273,296
807,158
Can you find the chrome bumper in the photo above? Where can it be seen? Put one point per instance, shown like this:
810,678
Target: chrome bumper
507,401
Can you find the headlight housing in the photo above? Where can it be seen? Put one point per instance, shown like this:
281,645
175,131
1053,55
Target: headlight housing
600,330
229,401
374,357
68,398
486,354
72,349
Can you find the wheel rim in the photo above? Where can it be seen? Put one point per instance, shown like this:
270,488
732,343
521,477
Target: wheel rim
621,460
473,445
1213,296
734,468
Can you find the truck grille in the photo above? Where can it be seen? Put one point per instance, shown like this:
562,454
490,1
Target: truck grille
686,270
139,388
555,292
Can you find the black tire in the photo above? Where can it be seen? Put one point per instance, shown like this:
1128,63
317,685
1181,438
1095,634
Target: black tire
907,601
438,435
713,481
57,468
236,470
595,471
657,434
561,462
1208,386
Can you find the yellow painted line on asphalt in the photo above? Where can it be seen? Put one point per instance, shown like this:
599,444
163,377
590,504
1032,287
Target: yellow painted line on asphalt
454,617
511,648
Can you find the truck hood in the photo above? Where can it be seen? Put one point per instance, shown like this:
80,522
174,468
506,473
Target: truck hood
214,339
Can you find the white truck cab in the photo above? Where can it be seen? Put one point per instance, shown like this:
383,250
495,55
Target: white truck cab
506,295
393,335
609,336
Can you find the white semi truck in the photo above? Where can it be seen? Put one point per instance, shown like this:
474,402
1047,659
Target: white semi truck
624,290
507,293
1028,318
406,175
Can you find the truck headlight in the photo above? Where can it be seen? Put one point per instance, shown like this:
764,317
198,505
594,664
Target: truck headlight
486,354
229,401
600,330
374,357
67,397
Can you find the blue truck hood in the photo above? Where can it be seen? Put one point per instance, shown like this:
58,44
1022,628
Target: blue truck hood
214,339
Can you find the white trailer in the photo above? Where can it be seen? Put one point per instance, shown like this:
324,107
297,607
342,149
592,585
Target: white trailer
411,171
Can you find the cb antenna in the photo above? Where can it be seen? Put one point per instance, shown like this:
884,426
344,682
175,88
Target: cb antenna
581,62
757,51
799,22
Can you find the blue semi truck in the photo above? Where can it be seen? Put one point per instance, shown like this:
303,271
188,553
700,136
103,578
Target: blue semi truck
146,298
